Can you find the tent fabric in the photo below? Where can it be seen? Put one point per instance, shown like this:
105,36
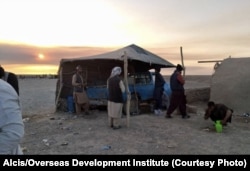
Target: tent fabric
230,84
133,52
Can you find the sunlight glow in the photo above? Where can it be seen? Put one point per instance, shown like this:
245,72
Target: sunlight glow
32,69
208,30
40,56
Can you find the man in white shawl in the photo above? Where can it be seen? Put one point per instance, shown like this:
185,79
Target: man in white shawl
116,88
11,123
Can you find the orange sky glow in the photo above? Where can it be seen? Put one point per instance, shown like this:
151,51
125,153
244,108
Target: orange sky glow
34,42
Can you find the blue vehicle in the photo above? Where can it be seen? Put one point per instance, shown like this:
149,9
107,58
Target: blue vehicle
141,87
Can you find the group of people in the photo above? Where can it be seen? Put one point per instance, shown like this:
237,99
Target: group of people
115,87
116,90
178,99
12,126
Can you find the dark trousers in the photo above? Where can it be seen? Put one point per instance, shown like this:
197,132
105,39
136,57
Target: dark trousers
158,103
177,99
158,97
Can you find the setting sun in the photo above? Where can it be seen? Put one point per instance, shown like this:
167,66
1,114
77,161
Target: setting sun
40,56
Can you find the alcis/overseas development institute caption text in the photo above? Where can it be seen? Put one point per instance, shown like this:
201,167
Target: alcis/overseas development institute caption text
149,162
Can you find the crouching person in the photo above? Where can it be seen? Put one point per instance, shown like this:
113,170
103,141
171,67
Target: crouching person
218,112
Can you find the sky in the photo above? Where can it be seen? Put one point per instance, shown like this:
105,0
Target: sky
36,34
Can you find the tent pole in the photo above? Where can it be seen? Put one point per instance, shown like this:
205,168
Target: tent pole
182,62
126,88
60,89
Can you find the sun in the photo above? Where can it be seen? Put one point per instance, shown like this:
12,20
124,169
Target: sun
40,56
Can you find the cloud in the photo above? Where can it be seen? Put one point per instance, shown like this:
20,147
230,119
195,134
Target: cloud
17,54
26,54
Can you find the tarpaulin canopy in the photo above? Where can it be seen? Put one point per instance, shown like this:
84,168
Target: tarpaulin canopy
134,53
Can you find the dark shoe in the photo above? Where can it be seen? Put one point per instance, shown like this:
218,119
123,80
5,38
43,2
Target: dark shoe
116,127
168,116
185,117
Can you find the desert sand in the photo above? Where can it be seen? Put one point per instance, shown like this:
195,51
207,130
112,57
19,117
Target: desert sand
50,132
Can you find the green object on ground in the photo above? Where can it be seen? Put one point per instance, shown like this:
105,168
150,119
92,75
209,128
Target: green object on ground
218,126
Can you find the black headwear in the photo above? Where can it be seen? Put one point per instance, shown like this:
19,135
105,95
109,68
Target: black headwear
179,67
157,69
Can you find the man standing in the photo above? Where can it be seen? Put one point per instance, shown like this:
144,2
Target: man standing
116,88
178,97
158,91
11,123
79,93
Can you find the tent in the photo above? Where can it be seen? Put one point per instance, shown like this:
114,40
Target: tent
230,84
97,68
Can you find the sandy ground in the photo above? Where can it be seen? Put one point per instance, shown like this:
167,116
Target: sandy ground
50,132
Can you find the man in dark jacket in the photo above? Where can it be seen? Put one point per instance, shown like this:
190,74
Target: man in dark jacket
158,91
178,97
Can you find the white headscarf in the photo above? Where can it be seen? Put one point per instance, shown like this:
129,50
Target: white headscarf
116,71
